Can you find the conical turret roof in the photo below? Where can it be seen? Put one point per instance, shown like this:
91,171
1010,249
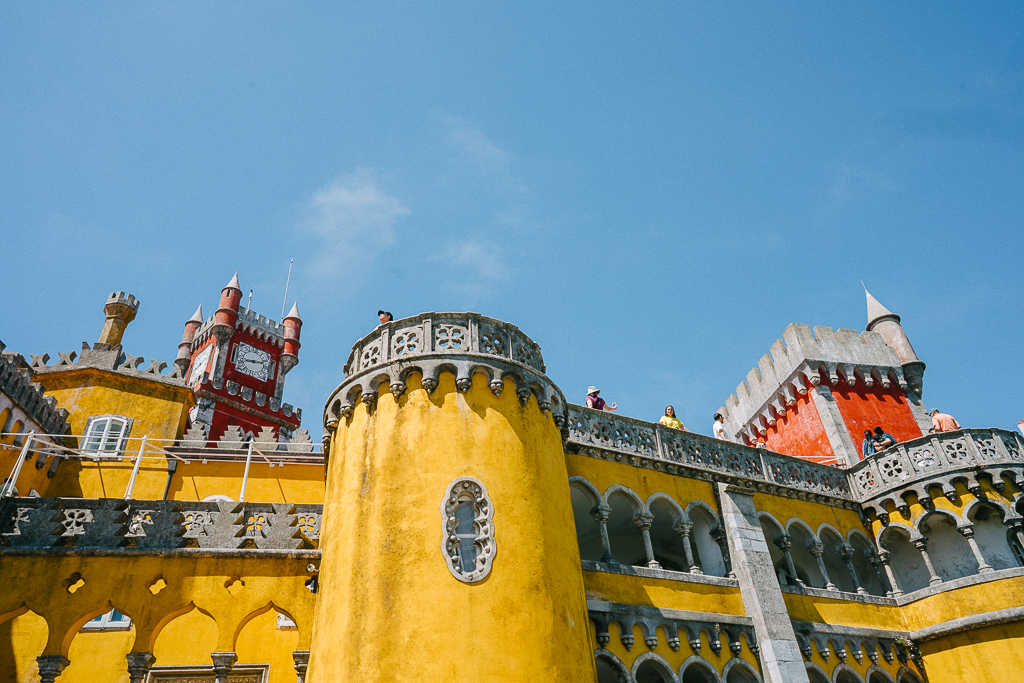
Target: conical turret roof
877,311
234,283
294,313
197,317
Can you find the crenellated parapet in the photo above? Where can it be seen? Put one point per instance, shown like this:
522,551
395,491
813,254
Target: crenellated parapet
106,357
16,382
938,461
464,344
798,363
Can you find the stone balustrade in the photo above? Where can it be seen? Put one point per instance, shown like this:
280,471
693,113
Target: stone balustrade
601,434
149,526
913,466
445,333
937,460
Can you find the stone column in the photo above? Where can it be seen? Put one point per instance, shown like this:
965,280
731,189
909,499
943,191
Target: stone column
683,529
846,552
600,513
781,661
784,543
301,658
818,550
643,521
922,545
51,666
968,533
223,663
883,559
720,537
139,664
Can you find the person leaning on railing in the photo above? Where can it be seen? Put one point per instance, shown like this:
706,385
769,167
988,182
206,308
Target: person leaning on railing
596,402
867,446
883,439
670,420
943,422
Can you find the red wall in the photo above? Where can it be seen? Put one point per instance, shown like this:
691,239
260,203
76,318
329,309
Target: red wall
863,408
800,433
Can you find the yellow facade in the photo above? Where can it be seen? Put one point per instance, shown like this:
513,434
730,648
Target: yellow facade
604,552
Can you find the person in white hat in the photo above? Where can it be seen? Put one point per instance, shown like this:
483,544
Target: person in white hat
596,402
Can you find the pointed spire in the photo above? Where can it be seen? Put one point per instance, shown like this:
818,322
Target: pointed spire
294,313
877,311
197,317
234,283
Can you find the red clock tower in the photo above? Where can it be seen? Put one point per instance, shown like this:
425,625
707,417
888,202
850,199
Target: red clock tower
236,363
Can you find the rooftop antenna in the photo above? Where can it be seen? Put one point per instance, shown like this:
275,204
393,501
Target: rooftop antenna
286,283
249,305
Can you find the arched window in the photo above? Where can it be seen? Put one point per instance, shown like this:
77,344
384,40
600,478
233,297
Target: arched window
706,551
992,537
863,551
949,551
740,672
665,539
698,672
654,671
838,572
806,564
588,531
814,675
610,669
468,542
906,561
106,435
625,537
847,676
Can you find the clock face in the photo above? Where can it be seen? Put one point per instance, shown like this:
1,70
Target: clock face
253,362
199,364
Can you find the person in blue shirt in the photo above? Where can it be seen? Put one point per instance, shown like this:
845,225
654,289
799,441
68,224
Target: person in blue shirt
867,446
883,440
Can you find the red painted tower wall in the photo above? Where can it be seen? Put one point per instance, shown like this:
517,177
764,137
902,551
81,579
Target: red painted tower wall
863,408
800,432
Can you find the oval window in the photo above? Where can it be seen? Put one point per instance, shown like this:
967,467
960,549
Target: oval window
468,544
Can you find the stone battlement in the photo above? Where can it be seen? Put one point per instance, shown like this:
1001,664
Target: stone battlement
125,299
799,361
16,382
107,357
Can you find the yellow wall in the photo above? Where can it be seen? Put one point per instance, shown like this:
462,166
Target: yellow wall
385,590
159,411
208,602
288,484
993,653
683,595
644,482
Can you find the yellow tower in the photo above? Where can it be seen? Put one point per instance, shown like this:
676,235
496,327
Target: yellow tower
449,548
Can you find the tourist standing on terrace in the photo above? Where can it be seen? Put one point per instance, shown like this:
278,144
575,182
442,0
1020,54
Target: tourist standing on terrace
596,402
719,428
942,422
670,420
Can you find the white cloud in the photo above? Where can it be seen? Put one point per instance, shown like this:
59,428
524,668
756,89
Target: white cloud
479,265
474,146
353,218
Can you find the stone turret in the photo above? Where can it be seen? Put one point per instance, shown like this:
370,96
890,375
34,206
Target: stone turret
887,325
120,310
185,347
289,357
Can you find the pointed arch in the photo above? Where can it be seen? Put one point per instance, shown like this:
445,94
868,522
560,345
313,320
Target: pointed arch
610,668
743,672
651,664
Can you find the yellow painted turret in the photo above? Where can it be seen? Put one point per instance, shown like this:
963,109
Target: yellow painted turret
447,525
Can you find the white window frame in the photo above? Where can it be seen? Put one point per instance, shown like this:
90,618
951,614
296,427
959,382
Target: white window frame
103,450
106,622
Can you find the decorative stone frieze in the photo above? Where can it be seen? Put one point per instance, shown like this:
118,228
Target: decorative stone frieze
464,344
107,357
677,625
16,382
156,525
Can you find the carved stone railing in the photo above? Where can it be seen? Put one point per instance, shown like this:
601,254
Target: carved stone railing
450,333
601,434
464,344
156,525
938,460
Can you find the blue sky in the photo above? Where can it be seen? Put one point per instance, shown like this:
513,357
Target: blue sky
652,191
